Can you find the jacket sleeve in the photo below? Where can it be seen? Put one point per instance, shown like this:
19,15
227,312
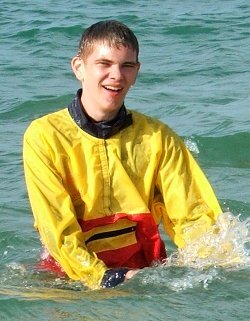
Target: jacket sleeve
54,212
190,205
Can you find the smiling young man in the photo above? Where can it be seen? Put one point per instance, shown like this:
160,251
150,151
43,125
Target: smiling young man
101,177
106,73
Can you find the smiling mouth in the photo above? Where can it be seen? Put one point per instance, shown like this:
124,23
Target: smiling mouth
113,89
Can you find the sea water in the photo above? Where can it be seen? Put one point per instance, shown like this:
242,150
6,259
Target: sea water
195,76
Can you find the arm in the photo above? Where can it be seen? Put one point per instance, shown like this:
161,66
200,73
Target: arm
54,212
191,206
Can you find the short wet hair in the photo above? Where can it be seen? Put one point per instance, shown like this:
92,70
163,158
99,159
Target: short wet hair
112,32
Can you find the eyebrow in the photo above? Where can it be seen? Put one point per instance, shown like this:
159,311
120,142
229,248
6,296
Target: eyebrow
133,63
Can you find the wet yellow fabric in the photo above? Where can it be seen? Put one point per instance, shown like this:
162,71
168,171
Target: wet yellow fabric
144,168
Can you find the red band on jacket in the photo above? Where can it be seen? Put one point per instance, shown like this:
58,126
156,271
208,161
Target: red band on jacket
149,246
101,221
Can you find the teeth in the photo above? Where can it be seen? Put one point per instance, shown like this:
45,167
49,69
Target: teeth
113,88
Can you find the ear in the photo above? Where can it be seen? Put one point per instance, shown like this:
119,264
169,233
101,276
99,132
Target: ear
77,66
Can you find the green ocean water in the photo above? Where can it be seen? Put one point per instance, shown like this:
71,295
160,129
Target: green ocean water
195,76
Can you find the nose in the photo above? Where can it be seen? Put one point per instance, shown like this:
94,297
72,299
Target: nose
116,72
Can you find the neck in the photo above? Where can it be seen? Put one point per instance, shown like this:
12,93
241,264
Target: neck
97,115
101,129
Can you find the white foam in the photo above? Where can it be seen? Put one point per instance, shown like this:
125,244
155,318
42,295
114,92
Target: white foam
224,245
191,145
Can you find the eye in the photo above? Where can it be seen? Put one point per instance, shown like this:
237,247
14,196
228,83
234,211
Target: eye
103,63
129,65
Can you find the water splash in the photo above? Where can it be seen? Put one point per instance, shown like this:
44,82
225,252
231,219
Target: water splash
178,278
213,257
225,245
191,145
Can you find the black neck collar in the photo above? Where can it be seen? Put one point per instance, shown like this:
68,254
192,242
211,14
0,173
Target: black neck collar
103,129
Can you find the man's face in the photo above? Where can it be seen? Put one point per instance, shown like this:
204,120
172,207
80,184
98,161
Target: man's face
107,74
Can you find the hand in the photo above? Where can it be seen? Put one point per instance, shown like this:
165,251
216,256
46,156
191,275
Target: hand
113,277
131,273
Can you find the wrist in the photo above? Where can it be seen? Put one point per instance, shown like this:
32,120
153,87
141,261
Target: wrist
113,277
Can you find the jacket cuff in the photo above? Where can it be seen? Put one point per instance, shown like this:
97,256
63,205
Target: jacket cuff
113,277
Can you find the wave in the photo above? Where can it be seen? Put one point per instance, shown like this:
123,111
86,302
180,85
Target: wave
32,33
35,108
189,30
223,151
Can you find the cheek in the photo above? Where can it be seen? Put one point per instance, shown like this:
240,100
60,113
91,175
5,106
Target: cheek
132,79
96,75
90,78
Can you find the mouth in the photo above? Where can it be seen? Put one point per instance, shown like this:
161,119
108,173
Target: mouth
113,89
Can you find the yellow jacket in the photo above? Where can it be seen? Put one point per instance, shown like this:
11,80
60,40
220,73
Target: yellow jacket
84,189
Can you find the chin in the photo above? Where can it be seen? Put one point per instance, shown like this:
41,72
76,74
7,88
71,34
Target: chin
112,107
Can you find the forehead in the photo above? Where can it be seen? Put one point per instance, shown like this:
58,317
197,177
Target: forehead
104,50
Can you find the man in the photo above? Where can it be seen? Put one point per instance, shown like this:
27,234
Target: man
101,177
